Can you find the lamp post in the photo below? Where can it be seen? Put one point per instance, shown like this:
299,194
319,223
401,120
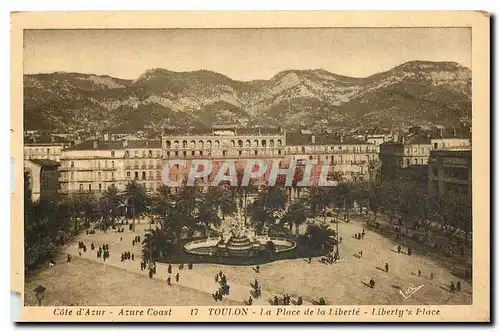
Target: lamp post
39,292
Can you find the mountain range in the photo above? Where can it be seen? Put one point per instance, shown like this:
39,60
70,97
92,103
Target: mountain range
415,92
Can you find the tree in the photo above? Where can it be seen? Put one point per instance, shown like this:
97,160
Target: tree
207,212
321,198
320,236
110,204
158,243
297,213
136,198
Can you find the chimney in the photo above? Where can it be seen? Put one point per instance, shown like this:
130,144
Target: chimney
313,139
125,143
95,144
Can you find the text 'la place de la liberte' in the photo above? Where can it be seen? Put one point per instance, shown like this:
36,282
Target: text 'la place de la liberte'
240,172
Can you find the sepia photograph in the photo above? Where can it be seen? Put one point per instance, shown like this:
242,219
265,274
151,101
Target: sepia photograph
237,167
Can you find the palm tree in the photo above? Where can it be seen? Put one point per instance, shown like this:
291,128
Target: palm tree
110,203
158,243
321,198
297,213
320,236
207,213
137,198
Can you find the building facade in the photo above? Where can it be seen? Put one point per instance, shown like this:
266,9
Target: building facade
409,156
43,178
94,165
450,172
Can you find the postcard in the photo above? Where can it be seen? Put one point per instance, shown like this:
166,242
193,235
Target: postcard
251,166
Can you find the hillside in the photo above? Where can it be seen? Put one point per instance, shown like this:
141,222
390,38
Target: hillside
416,92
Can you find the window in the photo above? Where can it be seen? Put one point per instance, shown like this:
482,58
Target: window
100,187
144,175
150,153
99,175
201,153
112,164
256,152
184,144
128,174
81,187
435,145
136,175
71,175
224,152
90,187
310,157
150,175
112,176
158,174
112,153
407,162
192,153
264,143
48,151
168,153
279,152
72,164
143,153
239,152
127,154
168,144
303,149
416,161
176,153
184,153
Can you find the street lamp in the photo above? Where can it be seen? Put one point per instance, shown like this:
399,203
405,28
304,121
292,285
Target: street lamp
39,292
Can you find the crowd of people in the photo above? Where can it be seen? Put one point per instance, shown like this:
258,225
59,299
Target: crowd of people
224,288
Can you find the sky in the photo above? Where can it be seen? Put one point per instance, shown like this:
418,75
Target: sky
242,54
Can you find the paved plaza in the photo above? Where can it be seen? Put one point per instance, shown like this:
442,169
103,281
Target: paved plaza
87,280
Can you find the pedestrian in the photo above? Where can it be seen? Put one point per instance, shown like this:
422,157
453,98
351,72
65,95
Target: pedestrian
257,269
372,283
151,273
432,275
68,259
133,243
177,276
363,233
256,284
361,253
169,269
452,287
386,267
132,256
299,300
80,253
276,300
169,281
399,249
216,278
92,246
190,265
419,273
121,238
459,286
250,300
409,251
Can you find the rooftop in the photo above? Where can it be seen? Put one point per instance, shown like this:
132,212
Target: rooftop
321,138
115,145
